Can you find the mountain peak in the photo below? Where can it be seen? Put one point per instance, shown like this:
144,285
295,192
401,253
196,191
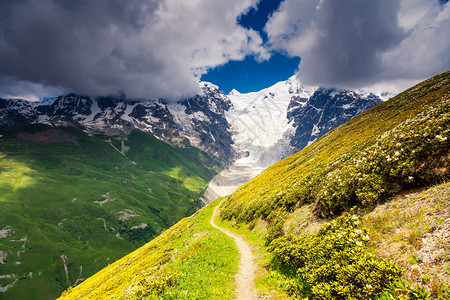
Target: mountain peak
234,92
206,84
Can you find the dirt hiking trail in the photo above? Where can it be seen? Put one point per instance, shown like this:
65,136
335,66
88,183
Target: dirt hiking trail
246,273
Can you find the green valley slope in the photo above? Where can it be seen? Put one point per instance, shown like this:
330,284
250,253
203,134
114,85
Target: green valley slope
72,203
191,260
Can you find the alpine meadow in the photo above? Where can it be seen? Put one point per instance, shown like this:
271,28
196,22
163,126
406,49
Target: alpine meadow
361,213
238,149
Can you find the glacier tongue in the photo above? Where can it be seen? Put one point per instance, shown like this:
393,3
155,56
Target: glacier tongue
278,121
230,179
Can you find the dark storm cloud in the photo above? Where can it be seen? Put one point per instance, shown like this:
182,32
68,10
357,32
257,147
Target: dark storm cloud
143,48
355,43
71,43
355,34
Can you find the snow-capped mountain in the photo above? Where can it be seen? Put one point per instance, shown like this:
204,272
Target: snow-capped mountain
326,109
260,127
203,121
280,120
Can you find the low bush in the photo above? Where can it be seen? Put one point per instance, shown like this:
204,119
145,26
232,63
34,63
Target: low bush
151,286
275,227
401,289
414,153
334,263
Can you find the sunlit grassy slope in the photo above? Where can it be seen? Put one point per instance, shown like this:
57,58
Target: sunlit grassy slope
394,146
67,196
191,260
411,230
310,215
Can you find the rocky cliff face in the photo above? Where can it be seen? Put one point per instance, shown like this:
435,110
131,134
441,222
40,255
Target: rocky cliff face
324,110
203,122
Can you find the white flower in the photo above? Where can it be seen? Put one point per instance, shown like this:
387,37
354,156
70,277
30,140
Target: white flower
441,138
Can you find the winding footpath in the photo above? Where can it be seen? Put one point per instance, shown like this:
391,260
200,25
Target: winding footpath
246,273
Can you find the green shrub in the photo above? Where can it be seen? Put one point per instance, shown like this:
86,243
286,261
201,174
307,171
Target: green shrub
334,262
276,222
402,289
412,154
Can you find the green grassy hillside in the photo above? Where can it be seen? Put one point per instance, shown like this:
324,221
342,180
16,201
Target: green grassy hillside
363,213
311,211
400,250
397,145
71,203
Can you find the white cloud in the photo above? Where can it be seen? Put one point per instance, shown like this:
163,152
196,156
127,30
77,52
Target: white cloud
426,49
144,48
356,44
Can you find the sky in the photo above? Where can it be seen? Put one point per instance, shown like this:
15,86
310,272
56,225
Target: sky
150,49
250,74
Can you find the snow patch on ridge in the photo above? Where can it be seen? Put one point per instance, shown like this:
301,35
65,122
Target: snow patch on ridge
180,117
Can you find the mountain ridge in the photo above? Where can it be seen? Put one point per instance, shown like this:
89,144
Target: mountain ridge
115,116
276,118
203,121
